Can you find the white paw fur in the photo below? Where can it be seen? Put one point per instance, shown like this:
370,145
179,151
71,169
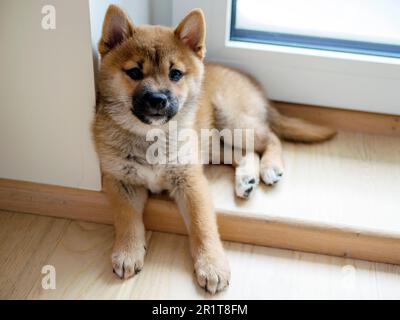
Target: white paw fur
245,185
271,175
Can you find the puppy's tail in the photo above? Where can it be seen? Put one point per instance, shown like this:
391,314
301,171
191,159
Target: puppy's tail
298,130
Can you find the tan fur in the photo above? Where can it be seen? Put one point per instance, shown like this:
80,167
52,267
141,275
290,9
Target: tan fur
298,130
130,242
210,96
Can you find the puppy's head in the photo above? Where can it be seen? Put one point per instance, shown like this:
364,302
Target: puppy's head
149,74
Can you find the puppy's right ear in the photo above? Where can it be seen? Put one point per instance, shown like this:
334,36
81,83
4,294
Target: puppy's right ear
117,27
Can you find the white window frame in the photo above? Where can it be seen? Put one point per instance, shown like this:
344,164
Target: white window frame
298,75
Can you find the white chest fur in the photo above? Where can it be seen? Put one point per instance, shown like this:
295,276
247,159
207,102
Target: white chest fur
153,178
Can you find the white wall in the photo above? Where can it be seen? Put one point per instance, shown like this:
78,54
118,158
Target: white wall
47,95
161,12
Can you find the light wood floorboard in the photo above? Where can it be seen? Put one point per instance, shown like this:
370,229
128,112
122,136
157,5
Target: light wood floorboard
26,243
80,253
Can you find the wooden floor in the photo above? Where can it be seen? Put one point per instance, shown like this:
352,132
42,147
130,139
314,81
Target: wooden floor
80,253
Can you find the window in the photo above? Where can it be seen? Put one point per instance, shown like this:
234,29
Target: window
359,26
365,78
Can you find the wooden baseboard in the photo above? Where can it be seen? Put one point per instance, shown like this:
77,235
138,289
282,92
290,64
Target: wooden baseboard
162,215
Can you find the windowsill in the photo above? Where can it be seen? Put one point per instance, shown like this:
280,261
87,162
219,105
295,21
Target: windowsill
311,52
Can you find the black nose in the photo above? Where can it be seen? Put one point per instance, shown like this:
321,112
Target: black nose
156,100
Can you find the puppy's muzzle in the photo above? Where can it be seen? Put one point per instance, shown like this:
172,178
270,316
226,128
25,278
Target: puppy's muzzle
154,107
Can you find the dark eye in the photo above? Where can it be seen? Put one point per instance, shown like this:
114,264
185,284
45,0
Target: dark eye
135,73
175,75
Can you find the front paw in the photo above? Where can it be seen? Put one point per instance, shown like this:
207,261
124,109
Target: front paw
128,261
213,274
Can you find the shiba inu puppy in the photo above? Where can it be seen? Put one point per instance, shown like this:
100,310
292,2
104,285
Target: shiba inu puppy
149,76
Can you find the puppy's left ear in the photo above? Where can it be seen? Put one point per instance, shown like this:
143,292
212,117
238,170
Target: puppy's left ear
192,32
